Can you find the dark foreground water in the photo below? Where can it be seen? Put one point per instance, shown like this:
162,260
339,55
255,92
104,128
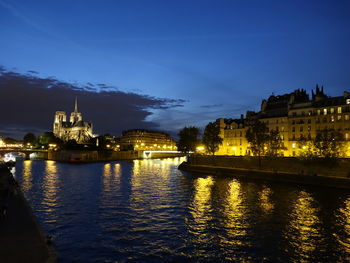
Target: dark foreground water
148,211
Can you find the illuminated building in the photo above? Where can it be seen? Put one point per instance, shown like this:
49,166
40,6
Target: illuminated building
146,140
74,129
294,115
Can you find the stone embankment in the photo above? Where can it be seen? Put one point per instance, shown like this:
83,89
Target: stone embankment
292,170
21,238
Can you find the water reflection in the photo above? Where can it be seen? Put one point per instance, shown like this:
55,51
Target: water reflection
27,175
344,220
201,207
265,200
304,227
111,180
50,187
234,212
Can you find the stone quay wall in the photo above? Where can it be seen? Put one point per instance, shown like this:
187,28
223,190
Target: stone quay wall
340,168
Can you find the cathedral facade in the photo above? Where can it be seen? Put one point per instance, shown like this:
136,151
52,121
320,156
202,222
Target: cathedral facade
74,128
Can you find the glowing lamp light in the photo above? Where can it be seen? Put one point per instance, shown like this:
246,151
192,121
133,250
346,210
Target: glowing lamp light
200,148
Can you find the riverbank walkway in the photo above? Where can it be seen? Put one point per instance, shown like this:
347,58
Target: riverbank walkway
21,239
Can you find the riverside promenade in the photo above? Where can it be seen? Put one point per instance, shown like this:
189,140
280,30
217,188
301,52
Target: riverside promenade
21,238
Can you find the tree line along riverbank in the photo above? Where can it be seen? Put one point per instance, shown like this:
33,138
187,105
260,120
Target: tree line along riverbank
334,173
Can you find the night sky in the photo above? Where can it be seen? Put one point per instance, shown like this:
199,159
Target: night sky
163,64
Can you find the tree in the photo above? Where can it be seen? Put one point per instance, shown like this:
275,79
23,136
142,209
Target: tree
257,136
329,143
306,149
188,139
275,145
29,138
211,138
48,137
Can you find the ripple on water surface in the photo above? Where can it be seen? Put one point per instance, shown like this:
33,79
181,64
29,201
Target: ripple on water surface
147,210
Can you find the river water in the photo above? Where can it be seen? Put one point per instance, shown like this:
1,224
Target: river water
148,211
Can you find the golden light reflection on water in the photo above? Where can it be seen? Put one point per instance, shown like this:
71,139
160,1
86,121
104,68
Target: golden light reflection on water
111,181
50,186
234,212
150,182
303,226
344,239
201,205
265,200
27,175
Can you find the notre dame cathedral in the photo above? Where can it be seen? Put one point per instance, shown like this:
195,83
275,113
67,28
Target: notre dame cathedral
74,129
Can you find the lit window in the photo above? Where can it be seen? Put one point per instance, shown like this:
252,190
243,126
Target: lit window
318,112
332,110
346,136
325,111
332,118
346,117
293,145
339,109
347,101
339,118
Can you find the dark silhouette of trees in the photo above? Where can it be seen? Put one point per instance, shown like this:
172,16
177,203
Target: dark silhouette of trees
257,136
47,138
188,139
211,137
275,145
329,143
29,138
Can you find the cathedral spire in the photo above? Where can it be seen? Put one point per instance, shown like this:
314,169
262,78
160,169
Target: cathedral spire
76,105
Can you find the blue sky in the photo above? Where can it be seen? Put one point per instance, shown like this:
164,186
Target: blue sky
222,57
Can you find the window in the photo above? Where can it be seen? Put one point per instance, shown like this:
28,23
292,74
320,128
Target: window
276,121
309,112
293,129
324,111
347,101
294,113
332,110
293,145
332,118
309,128
282,128
240,134
309,121
324,119
301,128
240,141
346,136
339,109
276,128
339,117
293,121
346,117
318,112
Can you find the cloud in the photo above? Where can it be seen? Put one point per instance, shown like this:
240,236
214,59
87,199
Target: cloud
28,103
211,106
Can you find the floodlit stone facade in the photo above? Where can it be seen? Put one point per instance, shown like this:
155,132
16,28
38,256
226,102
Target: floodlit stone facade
146,140
294,115
74,129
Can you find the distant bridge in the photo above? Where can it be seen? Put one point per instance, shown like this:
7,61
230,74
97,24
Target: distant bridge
152,154
27,152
